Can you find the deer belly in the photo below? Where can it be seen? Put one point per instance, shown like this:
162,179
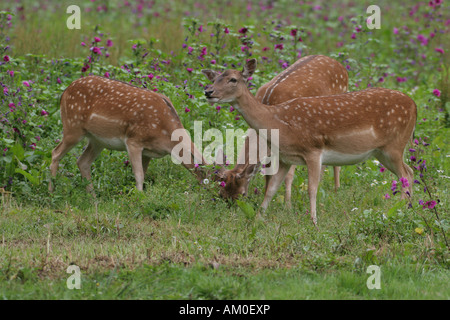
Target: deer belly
334,158
109,143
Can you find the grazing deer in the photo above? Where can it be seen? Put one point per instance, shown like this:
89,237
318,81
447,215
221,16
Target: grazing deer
335,130
310,76
118,116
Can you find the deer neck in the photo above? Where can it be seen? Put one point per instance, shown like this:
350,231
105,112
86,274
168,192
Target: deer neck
254,112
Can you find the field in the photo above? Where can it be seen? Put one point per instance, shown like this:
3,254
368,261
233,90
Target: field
178,239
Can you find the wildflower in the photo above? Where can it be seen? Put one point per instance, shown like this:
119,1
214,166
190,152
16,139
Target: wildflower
404,182
213,61
200,28
394,185
265,48
150,76
223,184
279,46
429,204
437,93
395,30
83,44
109,43
26,83
226,30
97,50
97,39
58,80
293,32
205,181
11,73
190,49
189,70
353,36
6,58
187,110
387,196
440,50
413,158
382,169
231,109
44,113
243,30
107,75
218,108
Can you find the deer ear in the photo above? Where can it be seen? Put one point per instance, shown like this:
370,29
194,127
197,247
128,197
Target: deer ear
210,74
249,69
248,171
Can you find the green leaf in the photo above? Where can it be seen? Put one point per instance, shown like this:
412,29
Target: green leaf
246,208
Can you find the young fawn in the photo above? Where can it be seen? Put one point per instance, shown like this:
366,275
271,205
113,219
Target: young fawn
341,129
118,116
310,76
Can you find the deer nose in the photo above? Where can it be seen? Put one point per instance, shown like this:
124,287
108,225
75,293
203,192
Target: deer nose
208,93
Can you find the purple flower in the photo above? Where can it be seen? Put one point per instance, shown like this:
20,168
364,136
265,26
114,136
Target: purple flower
11,73
187,110
279,46
226,30
150,76
6,58
243,30
97,50
109,43
189,70
26,83
404,182
213,61
190,49
200,28
382,169
413,159
437,93
394,185
429,204
107,75
44,113
97,39
58,80
395,30
412,150
83,44
387,196
293,32
223,184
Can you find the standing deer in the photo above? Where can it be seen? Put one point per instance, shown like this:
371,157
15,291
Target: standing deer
341,129
310,76
119,116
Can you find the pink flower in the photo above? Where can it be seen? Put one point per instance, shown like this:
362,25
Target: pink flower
190,49
83,44
429,204
151,76
279,46
187,110
97,50
189,70
382,169
44,113
440,50
97,39
387,196
196,165
223,184
200,28
218,108
26,83
109,43
404,182
226,30
11,73
437,93
6,58
213,61
107,74
58,81
293,32
231,109
395,30
243,30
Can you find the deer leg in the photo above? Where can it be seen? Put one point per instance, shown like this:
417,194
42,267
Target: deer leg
85,161
273,183
337,182
135,154
288,184
67,143
313,165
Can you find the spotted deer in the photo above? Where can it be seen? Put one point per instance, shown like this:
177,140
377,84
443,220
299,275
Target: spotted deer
118,116
341,129
315,75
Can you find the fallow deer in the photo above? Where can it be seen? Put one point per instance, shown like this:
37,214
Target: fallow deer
115,115
341,129
315,75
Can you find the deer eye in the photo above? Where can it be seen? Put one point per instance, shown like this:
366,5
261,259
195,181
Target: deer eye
233,80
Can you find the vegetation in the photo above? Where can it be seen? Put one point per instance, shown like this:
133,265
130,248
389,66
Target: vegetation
178,239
